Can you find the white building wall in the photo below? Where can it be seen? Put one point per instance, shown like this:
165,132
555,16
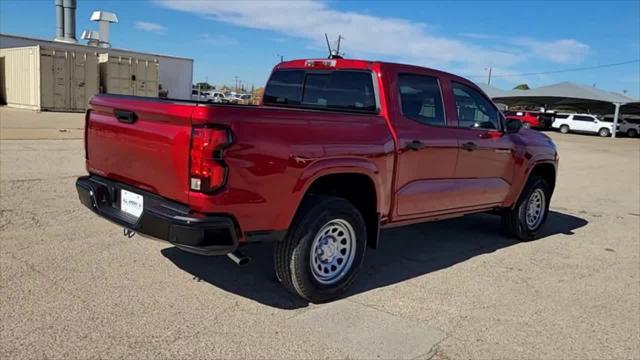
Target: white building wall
175,74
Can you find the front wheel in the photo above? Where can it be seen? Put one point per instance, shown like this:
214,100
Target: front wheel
632,133
323,250
604,132
526,218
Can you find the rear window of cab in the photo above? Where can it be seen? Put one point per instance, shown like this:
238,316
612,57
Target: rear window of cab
346,90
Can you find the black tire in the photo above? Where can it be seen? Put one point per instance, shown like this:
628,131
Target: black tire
292,258
632,133
604,132
564,129
514,219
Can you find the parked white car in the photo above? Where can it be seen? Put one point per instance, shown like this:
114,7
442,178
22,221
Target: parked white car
629,125
198,96
240,98
583,123
208,96
215,96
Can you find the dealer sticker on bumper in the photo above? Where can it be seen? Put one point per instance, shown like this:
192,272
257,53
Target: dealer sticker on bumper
131,203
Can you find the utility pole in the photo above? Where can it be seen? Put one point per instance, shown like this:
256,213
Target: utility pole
281,58
236,78
489,79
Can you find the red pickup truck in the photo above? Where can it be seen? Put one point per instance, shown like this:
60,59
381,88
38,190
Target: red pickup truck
531,119
338,150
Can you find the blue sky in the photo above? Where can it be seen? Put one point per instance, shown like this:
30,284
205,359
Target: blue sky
245,38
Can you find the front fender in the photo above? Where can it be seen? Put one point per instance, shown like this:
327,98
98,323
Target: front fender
520,180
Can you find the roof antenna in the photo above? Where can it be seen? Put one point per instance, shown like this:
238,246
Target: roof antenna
333,54
328,45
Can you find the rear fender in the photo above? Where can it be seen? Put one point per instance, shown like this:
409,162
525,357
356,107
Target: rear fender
333,166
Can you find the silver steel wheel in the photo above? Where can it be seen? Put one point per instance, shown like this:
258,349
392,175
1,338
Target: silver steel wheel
332,252
535,209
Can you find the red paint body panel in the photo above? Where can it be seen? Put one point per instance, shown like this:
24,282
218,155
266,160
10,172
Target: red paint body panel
277,153
152,153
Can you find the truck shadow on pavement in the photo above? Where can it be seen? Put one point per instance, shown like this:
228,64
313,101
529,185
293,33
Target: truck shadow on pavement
404,253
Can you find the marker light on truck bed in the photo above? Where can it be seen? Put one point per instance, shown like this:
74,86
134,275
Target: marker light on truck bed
207,172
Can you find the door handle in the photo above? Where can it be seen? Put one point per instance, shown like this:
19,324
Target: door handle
125,116
415,145
470,146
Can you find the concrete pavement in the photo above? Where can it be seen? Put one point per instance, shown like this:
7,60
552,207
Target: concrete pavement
72,286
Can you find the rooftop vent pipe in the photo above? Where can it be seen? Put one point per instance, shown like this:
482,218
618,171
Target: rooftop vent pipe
104,18
69,7
59,21
92,37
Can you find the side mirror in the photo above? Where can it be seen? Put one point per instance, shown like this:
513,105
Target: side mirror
512,126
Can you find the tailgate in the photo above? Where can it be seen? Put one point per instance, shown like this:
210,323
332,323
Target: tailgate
141,142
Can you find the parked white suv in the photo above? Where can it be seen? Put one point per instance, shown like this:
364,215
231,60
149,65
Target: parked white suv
629,125
584,123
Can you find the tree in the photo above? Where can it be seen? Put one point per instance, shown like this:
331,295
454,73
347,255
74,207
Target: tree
522,87
204,86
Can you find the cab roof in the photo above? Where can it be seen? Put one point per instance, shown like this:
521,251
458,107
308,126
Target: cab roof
328,64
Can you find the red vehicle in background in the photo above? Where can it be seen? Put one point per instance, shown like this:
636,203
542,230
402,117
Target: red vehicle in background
530,119
339,150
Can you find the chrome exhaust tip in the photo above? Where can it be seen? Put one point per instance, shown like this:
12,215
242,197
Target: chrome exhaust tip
239,257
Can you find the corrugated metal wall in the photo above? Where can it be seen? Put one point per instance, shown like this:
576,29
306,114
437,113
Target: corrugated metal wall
175,74
126,75
40,78
21,82
68,79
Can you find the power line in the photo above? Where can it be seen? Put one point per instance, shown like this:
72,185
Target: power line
562,71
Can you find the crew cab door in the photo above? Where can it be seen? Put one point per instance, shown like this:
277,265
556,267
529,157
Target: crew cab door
427,148
485,161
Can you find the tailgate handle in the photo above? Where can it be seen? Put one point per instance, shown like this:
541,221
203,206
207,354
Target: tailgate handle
125,116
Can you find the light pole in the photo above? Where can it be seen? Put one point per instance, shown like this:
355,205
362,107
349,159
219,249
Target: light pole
489,79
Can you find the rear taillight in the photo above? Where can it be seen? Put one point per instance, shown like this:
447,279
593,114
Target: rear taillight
207,171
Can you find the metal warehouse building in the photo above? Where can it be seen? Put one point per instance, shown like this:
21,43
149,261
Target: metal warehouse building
29,82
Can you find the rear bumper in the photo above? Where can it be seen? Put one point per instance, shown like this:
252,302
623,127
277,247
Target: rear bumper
161,218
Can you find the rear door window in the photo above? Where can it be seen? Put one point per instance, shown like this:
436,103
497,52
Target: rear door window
333,90
421,99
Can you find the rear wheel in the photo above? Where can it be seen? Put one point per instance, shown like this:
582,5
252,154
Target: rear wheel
632,133
323,250
564,129
604,132
526,218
